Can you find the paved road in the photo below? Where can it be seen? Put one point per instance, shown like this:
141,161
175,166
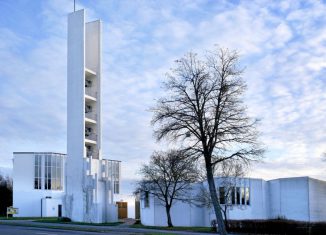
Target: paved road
24,228
19,230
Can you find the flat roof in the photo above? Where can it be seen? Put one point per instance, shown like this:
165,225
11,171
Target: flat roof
58,153
38,153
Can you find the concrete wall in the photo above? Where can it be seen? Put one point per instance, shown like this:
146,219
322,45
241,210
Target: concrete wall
289,198
50,207
317,200
300,198
27,199
74,205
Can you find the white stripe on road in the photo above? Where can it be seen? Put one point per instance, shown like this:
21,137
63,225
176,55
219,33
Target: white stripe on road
47,233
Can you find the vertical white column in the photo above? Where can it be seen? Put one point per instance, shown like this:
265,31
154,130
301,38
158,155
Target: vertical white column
76,115
93,49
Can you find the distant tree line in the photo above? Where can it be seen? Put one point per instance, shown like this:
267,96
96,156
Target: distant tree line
5,194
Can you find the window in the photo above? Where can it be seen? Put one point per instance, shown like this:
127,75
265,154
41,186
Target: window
116,187
222,195
243,202
233,196
247,196
146,199
53,172
37,172
238,195
116,177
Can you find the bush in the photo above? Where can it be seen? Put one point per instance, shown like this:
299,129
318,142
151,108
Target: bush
277,226
64,219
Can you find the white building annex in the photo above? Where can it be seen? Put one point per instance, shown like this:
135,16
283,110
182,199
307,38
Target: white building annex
80,185
297,198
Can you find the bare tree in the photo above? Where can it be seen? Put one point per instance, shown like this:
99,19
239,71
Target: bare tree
168,177
203,107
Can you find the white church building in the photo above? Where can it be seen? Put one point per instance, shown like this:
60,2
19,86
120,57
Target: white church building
297,198
80,185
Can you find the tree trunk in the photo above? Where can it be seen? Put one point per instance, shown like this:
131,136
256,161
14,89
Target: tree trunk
168,215
216,204
226,222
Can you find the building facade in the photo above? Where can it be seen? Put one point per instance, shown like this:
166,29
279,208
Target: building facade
89,196
298,198
38,183
83,184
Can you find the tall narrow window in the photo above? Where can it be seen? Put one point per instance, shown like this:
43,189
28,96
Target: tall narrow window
146,199
243,202
53,172
247,196
222,195
116,177
233,196
38,172
238,195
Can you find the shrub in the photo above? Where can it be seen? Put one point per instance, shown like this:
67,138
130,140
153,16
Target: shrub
277,226
64,219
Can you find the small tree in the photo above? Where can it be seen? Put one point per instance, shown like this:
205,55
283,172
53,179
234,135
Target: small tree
203,105
168,177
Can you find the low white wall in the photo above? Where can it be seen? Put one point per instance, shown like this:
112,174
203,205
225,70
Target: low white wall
300,198
317,200
50,207
289,198
27,199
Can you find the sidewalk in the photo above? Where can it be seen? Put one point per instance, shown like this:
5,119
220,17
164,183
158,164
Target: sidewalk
95,228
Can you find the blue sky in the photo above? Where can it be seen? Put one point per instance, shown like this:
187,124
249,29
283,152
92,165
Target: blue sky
282,45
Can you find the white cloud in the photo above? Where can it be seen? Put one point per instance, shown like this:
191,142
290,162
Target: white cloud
283,53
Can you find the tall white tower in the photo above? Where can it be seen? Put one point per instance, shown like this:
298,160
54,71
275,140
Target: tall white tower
91,180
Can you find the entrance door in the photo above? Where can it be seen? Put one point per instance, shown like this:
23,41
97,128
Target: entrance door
122,210
59,211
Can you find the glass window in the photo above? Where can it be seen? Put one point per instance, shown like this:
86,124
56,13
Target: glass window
222,195
53,172
37,172
146,199
243,202
233,196
247,196
238,195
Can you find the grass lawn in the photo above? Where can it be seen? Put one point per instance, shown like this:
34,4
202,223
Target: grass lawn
191,229
56,220
20,218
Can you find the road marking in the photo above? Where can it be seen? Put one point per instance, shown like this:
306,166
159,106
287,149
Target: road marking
47,233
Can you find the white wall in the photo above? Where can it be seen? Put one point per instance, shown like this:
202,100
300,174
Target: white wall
317,200
289,198
27,199
300,198
50,207
75,116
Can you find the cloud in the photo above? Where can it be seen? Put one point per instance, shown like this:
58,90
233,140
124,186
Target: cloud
282,45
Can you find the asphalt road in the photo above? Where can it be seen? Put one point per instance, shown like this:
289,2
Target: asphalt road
20,230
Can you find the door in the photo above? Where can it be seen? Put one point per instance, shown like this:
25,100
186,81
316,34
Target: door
59,211
122,210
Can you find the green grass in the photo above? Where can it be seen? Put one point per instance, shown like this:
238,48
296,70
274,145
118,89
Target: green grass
55,220
191,229
21,218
